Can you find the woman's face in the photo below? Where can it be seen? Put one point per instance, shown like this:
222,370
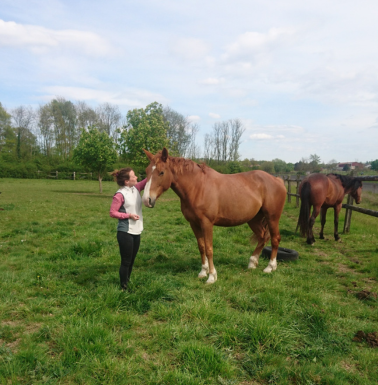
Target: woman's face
133,179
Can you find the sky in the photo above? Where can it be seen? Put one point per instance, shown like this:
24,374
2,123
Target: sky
302,76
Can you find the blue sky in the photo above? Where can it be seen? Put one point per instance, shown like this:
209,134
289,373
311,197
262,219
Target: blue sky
302,76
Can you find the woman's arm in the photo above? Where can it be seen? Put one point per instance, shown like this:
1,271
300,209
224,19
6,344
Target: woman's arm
117,202
140,185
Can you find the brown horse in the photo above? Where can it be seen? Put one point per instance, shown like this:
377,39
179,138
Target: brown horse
322,192
209,198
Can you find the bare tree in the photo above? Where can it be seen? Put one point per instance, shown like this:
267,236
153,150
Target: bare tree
179,131
207,154
86,116
237,130
45,121
23,118
224,140
109,119
193,150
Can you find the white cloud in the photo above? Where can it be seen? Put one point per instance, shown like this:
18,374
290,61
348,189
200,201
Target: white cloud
212,81
41,40
126,97
214,116
261,136
253,43
190,48
193,118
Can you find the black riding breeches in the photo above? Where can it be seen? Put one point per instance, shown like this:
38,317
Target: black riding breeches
128,248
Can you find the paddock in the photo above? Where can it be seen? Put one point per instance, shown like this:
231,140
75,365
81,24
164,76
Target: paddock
63,319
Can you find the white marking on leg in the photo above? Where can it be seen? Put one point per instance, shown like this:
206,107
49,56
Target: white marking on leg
253,262
205,269
212,277
146,194
271,266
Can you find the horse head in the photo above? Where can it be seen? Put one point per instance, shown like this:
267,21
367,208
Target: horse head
159,177
356,190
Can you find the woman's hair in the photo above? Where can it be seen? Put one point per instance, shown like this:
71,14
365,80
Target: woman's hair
121,175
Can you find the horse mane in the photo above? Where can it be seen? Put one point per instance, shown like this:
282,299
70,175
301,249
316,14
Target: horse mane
180,165
348,182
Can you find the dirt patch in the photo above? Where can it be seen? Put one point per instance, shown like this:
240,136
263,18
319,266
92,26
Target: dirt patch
345,269
370,338
365,294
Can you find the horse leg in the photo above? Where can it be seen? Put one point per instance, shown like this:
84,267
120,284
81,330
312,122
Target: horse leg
207,229
275,240
336,221
323,215
201,246
310,237
259,227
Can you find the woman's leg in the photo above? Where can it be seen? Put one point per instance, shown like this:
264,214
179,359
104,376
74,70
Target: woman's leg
136,244
126,248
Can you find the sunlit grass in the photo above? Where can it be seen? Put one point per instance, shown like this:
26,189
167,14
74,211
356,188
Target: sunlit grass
64,319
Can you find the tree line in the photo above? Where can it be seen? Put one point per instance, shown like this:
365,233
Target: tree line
51,132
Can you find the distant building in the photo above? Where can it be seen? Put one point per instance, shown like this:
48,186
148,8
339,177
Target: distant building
352,166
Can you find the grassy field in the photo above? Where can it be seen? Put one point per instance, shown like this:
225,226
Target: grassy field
64,320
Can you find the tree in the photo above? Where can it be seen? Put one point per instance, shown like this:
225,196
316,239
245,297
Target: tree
374,165
178,132
314,159
95,151
346,167
108,118
145,129
5,129
237,131
23,118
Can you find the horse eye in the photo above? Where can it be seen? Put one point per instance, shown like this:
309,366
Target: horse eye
162,173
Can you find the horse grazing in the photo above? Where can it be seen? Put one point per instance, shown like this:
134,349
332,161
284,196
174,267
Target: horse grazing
209,198
322,192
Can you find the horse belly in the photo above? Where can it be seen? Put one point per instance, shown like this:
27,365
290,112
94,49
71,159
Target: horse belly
236,217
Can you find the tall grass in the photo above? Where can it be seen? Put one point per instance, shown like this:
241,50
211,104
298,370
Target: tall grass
63,319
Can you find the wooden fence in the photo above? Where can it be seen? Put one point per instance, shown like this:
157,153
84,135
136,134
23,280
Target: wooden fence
348,206
65,175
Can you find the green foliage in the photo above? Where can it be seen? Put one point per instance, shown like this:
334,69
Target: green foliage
374,165
234,167
146,129
95,151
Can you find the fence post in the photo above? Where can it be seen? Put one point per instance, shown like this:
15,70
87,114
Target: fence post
38,173
74,175
56,174
348,215
298,183
288,189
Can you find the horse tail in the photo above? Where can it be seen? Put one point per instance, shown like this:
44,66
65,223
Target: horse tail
264,231
304,213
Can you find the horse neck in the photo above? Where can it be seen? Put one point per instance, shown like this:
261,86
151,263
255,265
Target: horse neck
183,182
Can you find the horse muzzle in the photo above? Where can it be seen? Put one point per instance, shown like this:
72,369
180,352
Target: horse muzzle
149,202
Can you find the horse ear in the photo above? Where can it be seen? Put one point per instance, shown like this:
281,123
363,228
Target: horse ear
164,155
149,155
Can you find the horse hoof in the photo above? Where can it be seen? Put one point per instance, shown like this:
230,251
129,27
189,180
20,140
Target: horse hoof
212,278
270,268
253,263
202,274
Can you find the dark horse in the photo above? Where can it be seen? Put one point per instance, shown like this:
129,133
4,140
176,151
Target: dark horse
209,198
322,192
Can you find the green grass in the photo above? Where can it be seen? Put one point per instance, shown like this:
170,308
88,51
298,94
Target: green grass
63,319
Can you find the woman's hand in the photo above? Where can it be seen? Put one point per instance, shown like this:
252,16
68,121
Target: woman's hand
134,217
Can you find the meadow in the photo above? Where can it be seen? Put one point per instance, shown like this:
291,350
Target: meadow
64,320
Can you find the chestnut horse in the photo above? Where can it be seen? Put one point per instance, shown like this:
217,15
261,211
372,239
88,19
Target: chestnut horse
322,192
209,198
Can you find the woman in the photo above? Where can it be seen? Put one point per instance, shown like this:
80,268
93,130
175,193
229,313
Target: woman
127,208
